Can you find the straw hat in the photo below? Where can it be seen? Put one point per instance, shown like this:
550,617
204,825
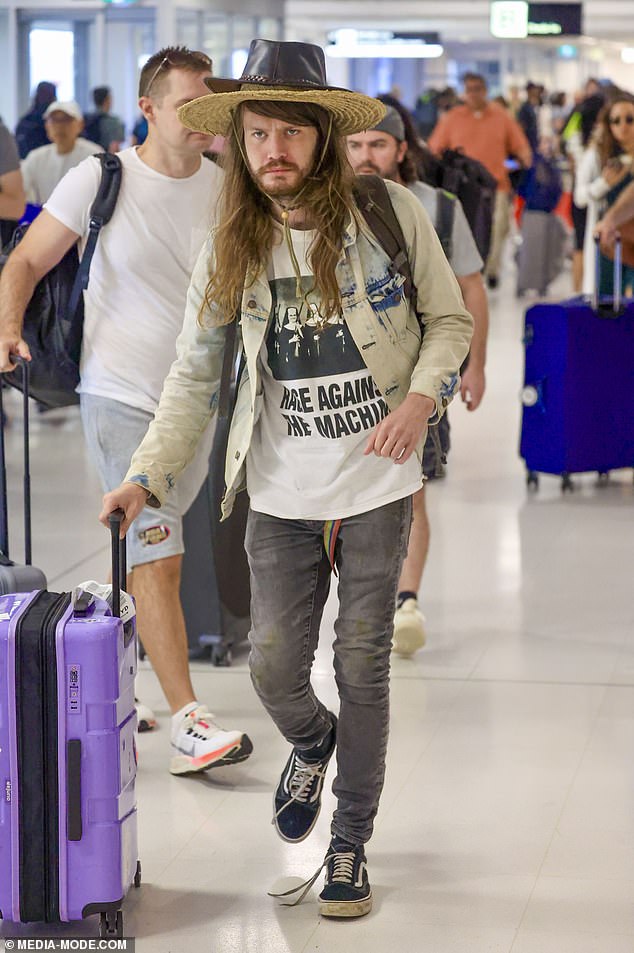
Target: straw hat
284,72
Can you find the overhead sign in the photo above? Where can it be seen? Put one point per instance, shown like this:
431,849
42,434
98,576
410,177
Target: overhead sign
555,19
516,19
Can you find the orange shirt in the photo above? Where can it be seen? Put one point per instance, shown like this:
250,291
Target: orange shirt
490,136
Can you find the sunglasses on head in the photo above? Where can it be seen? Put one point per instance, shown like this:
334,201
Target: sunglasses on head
617,120
178,62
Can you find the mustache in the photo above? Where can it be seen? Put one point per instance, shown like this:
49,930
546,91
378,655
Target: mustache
367,165
284,166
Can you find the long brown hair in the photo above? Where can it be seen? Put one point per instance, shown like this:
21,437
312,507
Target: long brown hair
243,237
607,146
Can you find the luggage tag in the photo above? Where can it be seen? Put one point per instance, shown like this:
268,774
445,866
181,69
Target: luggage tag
91,593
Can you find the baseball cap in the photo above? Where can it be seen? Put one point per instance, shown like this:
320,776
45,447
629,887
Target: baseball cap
71,108
392,124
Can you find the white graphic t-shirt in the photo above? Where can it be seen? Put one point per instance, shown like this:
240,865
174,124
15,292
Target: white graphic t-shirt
320,404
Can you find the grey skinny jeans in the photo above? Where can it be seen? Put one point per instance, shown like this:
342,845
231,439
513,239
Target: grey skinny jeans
290,580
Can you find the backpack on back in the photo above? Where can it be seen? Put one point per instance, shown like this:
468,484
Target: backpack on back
372,197
54,317
92,127
541,185
373,200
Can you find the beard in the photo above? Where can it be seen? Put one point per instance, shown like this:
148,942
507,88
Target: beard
369,168
286,188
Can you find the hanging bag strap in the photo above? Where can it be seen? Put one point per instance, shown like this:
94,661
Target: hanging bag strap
445,211
228,364
101,212
4,512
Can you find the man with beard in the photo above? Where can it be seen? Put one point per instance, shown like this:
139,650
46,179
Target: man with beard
329,424
384,151
133,313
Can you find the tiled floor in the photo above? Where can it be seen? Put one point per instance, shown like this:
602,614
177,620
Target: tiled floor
507,820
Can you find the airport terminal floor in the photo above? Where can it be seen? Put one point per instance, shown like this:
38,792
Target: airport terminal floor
506,822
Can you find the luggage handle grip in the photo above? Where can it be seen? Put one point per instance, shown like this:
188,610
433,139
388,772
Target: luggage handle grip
617,275
73,789
4,540
119,570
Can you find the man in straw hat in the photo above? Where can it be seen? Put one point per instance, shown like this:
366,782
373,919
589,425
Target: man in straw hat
330,420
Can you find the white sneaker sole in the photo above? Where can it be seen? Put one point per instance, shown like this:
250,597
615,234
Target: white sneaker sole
345,908
233,753
408,638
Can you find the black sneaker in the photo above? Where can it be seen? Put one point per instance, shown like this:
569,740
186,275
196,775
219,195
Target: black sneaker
347,891
298,795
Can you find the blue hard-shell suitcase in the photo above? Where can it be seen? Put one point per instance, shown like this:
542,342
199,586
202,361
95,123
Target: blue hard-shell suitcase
578,396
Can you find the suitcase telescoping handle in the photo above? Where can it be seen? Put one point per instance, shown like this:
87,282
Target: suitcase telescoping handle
74,827
4,509
617,274
119,569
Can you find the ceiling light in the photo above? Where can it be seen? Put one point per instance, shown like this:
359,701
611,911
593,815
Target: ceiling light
393,50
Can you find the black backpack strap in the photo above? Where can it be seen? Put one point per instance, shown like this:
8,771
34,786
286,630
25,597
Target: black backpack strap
101,212
228,364
445,210
375,205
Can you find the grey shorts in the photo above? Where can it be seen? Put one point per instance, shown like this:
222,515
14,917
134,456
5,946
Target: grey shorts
113,431
433,463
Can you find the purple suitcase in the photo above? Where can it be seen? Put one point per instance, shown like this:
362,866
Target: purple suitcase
578,395
68,822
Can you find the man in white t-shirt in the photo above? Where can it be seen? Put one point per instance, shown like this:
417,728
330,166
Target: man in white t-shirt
43,168
384,151
133,313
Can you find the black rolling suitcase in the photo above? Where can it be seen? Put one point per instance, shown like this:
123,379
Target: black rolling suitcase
215,587
13,576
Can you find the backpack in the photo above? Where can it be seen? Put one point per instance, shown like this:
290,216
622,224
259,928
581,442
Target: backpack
475,187
54,317
541,185
30,133
373,200
92,127
426,113
375,205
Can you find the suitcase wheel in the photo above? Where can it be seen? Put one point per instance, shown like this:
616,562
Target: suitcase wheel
567,486
221,656
111,925
603,477
532,480
137,876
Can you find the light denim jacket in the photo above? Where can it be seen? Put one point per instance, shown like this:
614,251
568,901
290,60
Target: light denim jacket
381,321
